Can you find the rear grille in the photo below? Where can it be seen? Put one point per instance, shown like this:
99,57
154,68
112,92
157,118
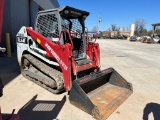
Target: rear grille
47,25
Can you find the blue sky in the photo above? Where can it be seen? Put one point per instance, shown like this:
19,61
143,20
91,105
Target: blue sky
119,12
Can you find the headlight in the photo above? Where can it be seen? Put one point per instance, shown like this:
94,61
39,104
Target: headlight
84,16
66,11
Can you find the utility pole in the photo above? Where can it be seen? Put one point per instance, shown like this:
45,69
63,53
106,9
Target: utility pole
99,20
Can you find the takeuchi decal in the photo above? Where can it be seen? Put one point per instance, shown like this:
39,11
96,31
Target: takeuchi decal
56,56
84,79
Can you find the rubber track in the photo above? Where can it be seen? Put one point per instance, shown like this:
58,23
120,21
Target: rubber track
49,71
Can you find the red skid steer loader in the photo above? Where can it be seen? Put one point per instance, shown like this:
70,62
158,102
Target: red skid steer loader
58,56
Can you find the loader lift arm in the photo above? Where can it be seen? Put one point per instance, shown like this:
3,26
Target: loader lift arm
59,52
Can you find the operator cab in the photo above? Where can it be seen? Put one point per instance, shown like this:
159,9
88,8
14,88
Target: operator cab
73,20
50,23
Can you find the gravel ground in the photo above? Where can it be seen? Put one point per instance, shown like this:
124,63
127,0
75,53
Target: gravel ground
138,63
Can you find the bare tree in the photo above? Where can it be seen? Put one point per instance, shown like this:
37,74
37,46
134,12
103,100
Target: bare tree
94,29
149,32
128,27
113,27
139,26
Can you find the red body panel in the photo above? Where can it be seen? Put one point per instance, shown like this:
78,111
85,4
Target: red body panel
85,67
63,55
93,52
